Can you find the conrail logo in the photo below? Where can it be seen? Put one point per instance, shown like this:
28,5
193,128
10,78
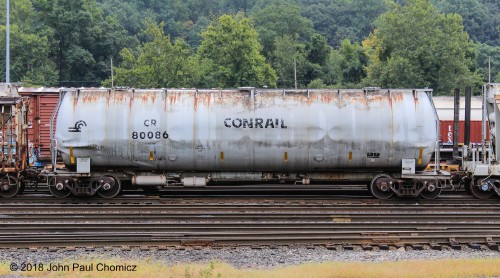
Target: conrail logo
78,126
254,123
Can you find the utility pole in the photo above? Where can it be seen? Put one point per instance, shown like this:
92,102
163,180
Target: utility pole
112,77
295,71
7,43
489,69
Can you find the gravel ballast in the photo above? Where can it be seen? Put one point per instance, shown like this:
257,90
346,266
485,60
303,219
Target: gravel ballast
240,257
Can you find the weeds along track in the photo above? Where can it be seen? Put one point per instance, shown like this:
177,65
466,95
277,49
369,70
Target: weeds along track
33,221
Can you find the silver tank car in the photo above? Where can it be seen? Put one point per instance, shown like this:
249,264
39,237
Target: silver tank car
192,136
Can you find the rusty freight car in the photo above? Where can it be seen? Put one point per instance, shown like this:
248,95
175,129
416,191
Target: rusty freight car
14,140
42,103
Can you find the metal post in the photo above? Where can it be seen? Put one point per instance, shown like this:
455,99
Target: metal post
483,133
112,77
295,72
53,141
467,115
7,43
456,114
489,69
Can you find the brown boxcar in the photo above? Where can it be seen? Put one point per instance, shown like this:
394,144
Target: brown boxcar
446,134
444,107
42,104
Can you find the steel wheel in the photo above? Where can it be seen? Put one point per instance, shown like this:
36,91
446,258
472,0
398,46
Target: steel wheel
431,192
381,193
110,190
58,190
479,189
9,186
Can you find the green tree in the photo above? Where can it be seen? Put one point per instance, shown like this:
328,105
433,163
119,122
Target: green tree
347,65
416,46
237,5
289,56
481,18
299,61
181,18
29,58
343,19
488,56
83,40
158,64
29,46
318,50
229,55
130,14
290,42
193,36
317,84
277,19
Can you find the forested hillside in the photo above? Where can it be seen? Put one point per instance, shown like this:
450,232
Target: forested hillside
440,44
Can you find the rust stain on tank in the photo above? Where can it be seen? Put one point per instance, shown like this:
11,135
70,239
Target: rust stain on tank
397,97
146,97
75,102
91,97
327,98
108,98
378,97
203,99
172,99
118,97
300,98
356,98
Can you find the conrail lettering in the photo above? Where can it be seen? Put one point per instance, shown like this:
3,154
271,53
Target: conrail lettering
254,123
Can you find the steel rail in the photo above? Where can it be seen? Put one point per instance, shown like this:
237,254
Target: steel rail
200,204
253,216
261,222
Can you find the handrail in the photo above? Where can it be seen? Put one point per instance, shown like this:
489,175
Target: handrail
53,141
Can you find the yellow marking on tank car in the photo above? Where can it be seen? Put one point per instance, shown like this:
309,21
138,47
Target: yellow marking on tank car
71,157
445,167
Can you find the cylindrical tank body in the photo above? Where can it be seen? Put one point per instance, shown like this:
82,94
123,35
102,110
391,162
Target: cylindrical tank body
247,130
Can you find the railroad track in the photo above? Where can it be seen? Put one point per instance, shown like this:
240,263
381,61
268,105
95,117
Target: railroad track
160,222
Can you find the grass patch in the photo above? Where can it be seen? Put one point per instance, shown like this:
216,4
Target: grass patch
148,268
